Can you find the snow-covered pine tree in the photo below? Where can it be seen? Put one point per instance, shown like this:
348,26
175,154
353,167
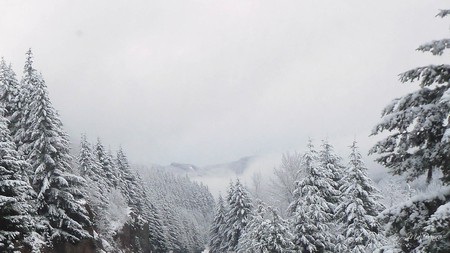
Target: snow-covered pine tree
17,213
266,232
418,141
89,167
107,164
311,211
227,227
359,208
418,144
217,233
97,190
239,213
18,126
9,91
46,148
128,183
333,163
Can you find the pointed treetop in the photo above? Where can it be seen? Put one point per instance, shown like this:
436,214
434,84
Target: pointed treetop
29,62
99,142
2,62
355,155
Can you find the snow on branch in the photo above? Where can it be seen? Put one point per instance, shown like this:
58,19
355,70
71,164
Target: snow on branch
436,47
443,13
432,74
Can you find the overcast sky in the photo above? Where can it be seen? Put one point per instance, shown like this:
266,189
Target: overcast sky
210,81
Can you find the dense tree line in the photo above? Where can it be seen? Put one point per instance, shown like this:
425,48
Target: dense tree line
187,208
334,208
52,201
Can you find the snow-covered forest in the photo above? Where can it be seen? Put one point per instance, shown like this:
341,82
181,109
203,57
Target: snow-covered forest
59,199
88,201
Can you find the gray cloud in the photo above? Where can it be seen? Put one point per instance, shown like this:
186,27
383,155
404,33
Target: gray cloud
210,81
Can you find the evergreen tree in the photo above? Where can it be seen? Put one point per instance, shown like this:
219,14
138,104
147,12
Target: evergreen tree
333,163
107,164
46,149
17,229
238,215
419,141
359,208
96,188
311,210
266,232
217,233
19,126
418,144
128,182
88,166
9,92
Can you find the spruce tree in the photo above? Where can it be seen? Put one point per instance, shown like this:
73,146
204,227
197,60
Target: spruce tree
46,148
311,211
19,126
89,168
9,92
238,215
97,190
17,213
359,208
217,233
418,143
128,182
333,163
107,164
266,232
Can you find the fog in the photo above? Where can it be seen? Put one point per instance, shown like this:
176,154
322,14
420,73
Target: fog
207,82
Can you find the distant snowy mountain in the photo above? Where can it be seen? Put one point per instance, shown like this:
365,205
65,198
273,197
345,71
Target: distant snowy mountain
218,176
236,168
